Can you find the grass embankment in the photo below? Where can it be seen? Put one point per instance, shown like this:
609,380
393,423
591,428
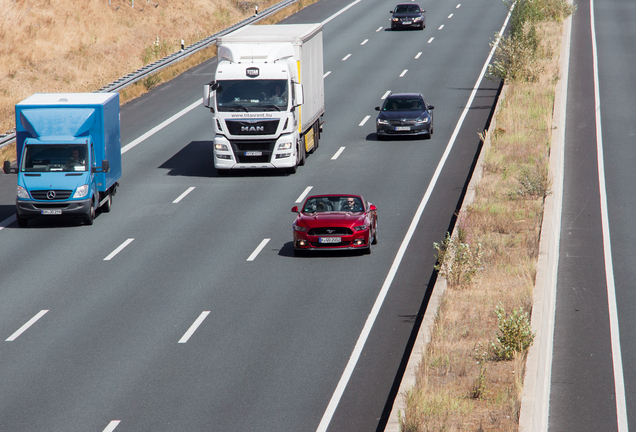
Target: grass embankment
471,372
64,46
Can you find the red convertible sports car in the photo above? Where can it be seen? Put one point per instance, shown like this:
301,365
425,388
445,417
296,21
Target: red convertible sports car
335,222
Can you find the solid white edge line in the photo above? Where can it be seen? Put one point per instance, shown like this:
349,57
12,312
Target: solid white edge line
119,249
619,383
258,250
335,156
357,351
364,120
112,425
26,326
183,195
194,327
326,74
8,221
304,194
340,11
157,128
388,92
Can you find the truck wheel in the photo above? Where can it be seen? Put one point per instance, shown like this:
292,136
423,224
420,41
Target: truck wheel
88,220
108,204
22,222
292,170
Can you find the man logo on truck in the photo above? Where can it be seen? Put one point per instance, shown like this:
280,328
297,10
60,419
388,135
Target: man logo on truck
252,72
252,128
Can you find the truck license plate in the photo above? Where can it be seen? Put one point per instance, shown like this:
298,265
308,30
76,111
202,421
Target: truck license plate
329,240
403,128
51,212
253,153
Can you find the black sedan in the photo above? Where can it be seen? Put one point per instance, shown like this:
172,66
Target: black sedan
408,15
405,114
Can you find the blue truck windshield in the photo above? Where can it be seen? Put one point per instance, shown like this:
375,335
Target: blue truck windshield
54,157
252,95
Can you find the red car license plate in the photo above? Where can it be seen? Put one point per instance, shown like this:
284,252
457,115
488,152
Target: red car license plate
329,240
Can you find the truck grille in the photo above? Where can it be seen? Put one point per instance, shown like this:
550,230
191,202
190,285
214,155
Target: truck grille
51,194
265,147
252,127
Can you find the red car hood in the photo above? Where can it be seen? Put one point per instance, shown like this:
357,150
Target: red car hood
330,219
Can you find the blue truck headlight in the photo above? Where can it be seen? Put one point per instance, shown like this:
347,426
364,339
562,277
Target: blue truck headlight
22,193
81,191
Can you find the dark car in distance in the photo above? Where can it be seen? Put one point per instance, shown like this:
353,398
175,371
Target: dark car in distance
404,114
408,15
335,222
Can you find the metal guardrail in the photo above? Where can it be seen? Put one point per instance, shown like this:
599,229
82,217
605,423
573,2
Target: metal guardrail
152,68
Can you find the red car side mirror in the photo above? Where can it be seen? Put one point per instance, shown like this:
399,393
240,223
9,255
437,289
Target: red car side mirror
295,209
372,208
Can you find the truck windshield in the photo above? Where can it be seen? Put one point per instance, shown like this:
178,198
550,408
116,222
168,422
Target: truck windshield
252,95
54,157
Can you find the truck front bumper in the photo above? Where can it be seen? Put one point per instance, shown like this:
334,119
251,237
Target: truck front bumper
31,209
232,156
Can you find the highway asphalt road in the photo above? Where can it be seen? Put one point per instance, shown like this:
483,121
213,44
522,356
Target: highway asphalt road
593,380
184,308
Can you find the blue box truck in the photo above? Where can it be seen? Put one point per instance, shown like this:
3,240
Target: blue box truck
68,155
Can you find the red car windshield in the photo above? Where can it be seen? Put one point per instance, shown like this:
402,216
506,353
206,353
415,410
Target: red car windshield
333,204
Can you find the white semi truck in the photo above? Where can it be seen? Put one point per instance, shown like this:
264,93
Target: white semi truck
267,97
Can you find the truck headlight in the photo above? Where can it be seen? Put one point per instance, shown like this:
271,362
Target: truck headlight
220,147
285,146
81,191
22,193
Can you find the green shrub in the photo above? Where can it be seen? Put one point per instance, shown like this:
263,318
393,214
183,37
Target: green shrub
457,261
515,334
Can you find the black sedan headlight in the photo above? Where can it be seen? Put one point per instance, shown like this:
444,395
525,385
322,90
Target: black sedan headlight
422,119
382,121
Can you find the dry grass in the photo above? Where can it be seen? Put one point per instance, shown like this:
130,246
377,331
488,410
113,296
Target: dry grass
460,385
62,46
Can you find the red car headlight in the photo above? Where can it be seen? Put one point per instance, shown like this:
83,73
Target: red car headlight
299,228
361,227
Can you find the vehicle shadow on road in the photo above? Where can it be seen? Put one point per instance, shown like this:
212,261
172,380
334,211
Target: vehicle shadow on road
288,251
194,160
374,137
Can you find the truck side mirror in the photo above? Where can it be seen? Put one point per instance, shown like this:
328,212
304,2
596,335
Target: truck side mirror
105,166
6,167
208,94
299,97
